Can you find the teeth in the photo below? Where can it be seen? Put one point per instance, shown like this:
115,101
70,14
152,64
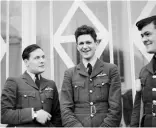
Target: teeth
148,43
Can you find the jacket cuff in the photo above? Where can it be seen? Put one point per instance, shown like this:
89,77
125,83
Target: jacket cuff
25,115
104,125
77,125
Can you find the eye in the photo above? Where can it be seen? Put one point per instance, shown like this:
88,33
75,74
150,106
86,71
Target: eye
43,56
147,34
81,43
88,42
37,57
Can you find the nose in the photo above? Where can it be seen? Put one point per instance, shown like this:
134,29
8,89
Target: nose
42,60
85,46
144,39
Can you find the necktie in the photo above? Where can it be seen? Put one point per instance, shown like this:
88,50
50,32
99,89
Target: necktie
37,81
89,68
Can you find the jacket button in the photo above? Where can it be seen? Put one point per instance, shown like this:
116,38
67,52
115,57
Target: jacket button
103,83
154,102
91,115
25,96
90,79
42,101
154,76
90,91
91,103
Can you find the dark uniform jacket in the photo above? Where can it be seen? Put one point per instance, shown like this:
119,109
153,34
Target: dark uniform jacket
21,94
91,101
148,97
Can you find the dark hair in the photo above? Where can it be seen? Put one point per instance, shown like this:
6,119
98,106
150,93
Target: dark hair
142,23
28,50
84,29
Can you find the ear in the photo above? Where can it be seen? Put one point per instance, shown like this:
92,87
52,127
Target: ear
77,47
97,42
26,62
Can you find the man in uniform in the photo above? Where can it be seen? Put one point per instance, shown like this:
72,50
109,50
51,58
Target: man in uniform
147,89
31,100
91,91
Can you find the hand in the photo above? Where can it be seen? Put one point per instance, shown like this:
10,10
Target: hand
42,116
138,85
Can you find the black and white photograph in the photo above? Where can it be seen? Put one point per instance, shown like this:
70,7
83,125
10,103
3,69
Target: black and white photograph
78,63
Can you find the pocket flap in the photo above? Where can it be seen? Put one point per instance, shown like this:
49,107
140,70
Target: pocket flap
101,82
27,94
78,84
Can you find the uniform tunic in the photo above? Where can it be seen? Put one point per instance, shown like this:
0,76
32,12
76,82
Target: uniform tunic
21,94
91,101
148,97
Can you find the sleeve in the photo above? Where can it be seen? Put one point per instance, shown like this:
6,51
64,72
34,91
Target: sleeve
67,104
9,113
114,114
56,112
135,118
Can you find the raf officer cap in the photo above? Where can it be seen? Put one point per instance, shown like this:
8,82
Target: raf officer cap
140,24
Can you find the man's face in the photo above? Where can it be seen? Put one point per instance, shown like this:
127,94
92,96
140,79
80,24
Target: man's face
148,34
36,62
86,46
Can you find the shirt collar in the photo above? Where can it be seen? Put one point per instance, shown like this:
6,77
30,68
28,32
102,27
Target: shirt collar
92,61
32,75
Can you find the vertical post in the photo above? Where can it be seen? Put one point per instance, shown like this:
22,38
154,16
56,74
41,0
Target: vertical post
28,25
110,32
131,49
7,39
51,41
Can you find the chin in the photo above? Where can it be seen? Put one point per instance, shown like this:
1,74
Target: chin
41,71
87,58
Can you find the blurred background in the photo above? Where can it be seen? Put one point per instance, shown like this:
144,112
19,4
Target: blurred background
51,24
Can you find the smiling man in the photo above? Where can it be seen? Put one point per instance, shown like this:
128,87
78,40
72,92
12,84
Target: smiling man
91,91
146,91
31,100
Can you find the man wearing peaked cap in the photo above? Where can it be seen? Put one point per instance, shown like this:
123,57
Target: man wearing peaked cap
146,90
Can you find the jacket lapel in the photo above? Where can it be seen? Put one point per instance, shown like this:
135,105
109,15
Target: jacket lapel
149,66
27,78
43,83
98,68
81,69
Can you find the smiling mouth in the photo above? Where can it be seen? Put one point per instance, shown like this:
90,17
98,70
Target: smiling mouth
85,51
147,43
41,66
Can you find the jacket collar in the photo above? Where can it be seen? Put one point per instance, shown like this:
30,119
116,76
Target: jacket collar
149,66
98,67
81,69
27,78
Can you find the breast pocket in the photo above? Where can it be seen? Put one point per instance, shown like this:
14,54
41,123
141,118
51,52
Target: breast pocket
79,91
49,96
101,86
26,98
